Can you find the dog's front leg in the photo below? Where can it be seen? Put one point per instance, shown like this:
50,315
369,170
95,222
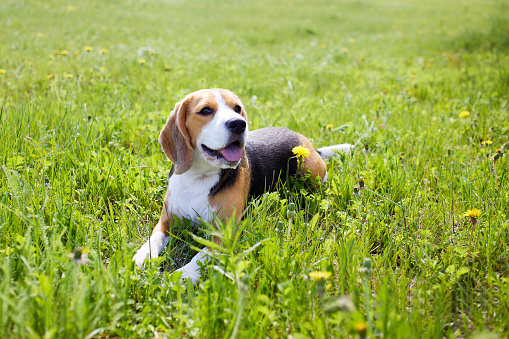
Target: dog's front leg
158,240
153,247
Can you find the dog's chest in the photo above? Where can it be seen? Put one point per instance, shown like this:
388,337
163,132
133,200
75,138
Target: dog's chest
189,195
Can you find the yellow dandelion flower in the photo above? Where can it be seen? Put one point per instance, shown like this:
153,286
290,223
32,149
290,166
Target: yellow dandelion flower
152,52
360,327
71,8
361,57
49,76
57,52
464,114
322,45
412,76
328,126
474,213
429,65
51,57
487,142
68,75
88,48
352,41
319,275
344,50
103,51
301,151
142,61
2,71
64,52
40,35
75,53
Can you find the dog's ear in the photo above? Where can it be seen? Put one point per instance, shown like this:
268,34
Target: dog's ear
175,140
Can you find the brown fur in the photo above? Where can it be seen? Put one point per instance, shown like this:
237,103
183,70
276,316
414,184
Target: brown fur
175,140
233,199
178,140
163,225
314,162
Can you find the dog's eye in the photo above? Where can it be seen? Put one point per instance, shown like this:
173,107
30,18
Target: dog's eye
205,111
237,109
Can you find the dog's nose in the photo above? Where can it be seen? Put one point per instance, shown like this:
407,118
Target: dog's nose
236,126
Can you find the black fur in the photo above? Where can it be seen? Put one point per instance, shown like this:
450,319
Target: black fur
172,170
271,160
227,178
269,151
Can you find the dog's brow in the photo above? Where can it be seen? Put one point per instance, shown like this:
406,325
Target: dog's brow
229,100
206,101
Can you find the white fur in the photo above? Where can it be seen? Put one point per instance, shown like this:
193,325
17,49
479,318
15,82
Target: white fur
192,269
189,191
215,135
152,248
324,180
189,198
329,151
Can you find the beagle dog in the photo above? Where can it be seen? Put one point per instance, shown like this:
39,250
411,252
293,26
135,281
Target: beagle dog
218,165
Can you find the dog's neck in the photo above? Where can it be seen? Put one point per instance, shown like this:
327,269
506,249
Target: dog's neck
201,169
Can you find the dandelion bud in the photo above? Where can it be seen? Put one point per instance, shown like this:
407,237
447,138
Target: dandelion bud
366,267
366,263
291,210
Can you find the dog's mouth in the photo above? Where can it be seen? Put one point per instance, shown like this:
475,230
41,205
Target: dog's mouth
231,153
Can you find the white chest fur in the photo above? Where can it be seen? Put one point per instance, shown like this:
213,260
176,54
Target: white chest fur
189,193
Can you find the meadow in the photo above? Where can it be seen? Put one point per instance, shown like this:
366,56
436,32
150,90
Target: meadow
420,87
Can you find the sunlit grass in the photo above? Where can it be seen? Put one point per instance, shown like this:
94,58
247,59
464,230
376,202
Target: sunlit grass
392,246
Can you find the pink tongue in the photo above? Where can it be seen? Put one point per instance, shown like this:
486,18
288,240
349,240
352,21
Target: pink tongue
232,152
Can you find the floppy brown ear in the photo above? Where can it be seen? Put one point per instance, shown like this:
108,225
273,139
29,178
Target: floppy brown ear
175,140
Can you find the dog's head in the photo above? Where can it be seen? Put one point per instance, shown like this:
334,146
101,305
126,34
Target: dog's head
211,124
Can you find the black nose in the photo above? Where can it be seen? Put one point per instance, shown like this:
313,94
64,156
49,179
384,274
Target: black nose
237,126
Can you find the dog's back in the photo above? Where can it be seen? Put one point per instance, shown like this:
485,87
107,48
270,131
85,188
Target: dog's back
269,151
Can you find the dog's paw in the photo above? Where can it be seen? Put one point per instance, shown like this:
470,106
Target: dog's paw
151,249
142,254
192,269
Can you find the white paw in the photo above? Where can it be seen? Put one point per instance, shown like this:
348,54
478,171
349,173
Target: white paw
151,249
192,269
190,272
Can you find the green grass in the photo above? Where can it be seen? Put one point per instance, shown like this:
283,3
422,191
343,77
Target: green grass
81,168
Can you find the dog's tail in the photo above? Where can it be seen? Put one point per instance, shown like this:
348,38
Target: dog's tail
332,151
